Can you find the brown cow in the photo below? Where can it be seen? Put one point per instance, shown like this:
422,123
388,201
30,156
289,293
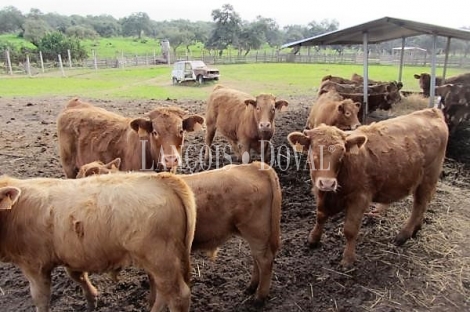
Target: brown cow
358,79
99,224
425,81
87,133
331,109
338,79
245,121
348,88
382,162
98,167
455,115
255,216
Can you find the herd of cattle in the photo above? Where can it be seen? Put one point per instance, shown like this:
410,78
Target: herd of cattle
108,214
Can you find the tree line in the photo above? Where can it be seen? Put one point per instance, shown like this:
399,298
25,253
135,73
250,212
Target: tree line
54,34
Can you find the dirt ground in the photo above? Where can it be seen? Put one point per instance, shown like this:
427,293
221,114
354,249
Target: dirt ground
429,273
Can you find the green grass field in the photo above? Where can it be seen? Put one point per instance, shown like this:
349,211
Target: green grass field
154,82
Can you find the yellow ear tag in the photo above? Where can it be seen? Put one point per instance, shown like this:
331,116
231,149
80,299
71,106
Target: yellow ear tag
6,203
298,147
142,133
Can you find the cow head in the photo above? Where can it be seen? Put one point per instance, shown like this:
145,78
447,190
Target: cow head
164,131
98,167
425,82
456,94
346,115
264,110
392,95
8,197
326,147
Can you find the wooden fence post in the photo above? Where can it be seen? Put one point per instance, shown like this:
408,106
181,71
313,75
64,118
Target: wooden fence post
10,70
70,58
95,62
28,65
42,61
61,66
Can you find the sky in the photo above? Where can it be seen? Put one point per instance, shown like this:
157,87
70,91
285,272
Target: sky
454,14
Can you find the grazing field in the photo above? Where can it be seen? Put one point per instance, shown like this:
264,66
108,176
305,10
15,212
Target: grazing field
429,273
155,82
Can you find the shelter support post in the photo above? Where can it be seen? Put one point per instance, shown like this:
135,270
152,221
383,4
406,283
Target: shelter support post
402,59
433,71
365,37
446,59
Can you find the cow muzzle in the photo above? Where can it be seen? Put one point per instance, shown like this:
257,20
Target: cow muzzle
170,161
326,184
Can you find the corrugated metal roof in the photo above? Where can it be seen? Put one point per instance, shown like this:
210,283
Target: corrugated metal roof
380,30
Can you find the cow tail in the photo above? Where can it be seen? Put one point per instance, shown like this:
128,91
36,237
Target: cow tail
188,200
190,229
276,203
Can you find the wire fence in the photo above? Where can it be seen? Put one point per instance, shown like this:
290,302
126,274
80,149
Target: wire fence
33,64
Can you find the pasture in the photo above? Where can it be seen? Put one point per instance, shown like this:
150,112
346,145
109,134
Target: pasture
429,273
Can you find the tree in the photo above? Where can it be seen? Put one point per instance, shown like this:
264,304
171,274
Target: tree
325,26
11,20
136,24
252,36
227,28
57,22
272,34
35,29
81,32
55,43
105,25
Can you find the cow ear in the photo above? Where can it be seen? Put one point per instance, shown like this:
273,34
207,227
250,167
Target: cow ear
399,85
114,164
193,123
417,76
142,126
281,105
8,197
250,101
355,142
341,107
92,171
299,141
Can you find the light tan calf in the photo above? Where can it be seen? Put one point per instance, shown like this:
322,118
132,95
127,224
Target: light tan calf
351,170
99,224
243,200
331,109
242,119
87,133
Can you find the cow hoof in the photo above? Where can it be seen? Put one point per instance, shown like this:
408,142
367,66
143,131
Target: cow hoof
347,263
401,239
314,245
250,290
258,303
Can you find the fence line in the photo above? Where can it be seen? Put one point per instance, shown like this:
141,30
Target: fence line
34,63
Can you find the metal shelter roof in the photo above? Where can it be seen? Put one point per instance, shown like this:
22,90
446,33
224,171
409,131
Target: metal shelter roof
380,30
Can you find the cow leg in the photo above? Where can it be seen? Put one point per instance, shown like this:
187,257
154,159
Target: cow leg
315,235
81,278
40,287
421,198
244,152
167,277
262,274
352,224
210,133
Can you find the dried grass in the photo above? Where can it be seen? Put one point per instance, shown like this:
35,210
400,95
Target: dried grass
439,258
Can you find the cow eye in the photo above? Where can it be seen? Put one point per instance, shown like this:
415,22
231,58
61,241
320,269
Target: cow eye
154,132
181,132
273,109
258,108
347,114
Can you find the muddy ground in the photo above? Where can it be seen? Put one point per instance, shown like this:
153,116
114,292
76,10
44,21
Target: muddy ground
429,273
